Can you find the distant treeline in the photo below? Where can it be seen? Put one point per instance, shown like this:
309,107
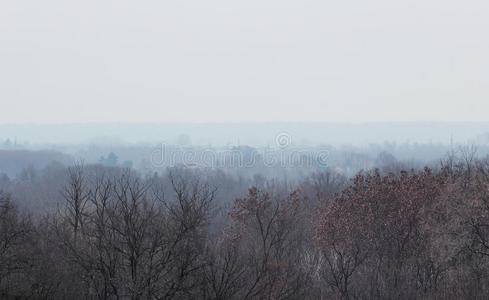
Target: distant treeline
12,162
291,161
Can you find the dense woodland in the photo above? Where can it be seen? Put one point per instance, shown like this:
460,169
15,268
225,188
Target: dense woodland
244,150
97,232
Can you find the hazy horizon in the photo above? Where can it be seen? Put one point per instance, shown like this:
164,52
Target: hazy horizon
252,134
218,149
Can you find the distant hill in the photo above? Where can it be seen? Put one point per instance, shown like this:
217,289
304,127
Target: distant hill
252,134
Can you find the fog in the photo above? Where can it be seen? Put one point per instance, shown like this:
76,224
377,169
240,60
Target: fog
252,134
250,61
244,150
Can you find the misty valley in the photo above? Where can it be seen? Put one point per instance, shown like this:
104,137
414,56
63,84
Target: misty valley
244,150
182,221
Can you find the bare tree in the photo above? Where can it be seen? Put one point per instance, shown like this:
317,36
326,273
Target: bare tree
76,195
14,233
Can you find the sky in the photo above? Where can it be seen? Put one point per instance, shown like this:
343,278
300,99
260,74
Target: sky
243,61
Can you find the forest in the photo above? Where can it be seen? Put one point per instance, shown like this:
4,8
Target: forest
90,231
244,150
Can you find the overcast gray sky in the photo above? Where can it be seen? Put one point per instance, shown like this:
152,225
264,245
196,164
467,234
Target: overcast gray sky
251,61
